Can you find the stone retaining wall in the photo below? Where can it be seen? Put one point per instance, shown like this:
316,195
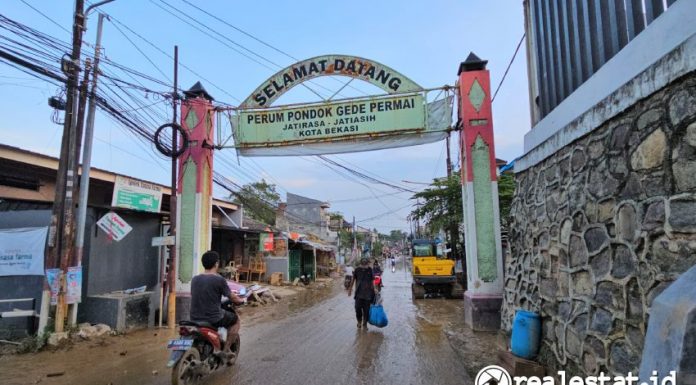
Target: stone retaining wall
601,227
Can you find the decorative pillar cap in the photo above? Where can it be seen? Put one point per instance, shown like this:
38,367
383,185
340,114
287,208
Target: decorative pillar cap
472,63
196,91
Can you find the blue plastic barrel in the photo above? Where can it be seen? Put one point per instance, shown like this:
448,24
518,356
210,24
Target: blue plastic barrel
526,333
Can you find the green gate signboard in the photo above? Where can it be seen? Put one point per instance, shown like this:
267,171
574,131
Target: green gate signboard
405,116
330,121
136,195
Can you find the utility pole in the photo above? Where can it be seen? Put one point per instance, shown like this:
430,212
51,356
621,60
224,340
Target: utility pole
171,273
453,228
449,160
63,202
87,161
60,250
355,242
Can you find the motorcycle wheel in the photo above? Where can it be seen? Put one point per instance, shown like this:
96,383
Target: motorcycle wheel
234,348
183,373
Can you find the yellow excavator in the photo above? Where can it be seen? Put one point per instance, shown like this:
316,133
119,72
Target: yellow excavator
433,272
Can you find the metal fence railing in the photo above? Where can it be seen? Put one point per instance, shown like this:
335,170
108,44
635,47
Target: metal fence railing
569,40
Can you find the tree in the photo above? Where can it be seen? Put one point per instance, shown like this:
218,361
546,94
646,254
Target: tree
260,200
377,248
506,190
396,235
440,205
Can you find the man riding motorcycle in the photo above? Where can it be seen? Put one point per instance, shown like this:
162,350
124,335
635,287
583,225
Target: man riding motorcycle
207,289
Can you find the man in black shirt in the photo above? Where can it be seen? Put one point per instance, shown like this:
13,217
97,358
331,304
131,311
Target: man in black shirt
207,290
364,292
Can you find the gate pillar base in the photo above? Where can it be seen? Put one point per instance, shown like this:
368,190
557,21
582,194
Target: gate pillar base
482,312
183,306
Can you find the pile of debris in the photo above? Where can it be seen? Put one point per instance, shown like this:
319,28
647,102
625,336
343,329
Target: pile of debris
255,294
85,331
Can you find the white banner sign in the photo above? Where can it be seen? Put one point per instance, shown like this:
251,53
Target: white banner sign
22,251
114,226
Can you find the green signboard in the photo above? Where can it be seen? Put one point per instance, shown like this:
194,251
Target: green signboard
329,122
136,195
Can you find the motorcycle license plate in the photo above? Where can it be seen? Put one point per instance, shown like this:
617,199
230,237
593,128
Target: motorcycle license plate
179,344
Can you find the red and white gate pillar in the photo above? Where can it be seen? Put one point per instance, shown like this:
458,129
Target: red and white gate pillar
194,195
484,262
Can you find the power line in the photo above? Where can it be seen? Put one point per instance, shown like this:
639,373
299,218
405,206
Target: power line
258,40
385,213
141,52
214,37
366,177
508,67
172,58
131,113
223,182
235,43
241,31
368,172
44,15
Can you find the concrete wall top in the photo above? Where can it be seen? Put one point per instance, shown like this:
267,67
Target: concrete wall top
634,73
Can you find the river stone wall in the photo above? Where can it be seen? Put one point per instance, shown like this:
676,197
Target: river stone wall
601,227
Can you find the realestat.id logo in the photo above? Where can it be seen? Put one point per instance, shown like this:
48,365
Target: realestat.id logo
493,375
496,375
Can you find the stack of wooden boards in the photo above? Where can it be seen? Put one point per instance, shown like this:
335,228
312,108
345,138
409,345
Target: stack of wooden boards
514,365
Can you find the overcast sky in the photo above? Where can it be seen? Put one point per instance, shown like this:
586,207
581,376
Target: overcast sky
423,40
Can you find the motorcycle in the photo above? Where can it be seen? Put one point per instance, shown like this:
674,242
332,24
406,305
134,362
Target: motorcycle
346,281
198,350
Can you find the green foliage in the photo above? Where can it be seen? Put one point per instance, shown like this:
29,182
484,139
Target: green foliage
440,205
33,344
346,237
506,190
377,248
260,200
396,235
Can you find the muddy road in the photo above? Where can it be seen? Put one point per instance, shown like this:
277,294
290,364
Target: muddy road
306,341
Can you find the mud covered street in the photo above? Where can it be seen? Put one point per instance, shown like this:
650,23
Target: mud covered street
309,339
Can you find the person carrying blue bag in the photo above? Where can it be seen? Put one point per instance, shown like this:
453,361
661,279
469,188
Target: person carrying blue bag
378,317
364,292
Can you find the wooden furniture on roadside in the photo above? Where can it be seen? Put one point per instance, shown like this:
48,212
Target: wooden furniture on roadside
242,271
257,266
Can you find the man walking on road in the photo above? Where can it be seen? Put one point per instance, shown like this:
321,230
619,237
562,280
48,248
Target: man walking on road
364,292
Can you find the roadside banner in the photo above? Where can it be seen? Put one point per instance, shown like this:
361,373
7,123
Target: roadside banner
114,226
136,195
53,283
22,251
74,285
280,247
266,241
73,281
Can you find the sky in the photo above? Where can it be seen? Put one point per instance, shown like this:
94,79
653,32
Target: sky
423,40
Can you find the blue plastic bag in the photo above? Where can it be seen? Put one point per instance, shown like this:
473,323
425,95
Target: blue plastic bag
378,317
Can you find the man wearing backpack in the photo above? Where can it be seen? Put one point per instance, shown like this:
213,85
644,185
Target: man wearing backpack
364,292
